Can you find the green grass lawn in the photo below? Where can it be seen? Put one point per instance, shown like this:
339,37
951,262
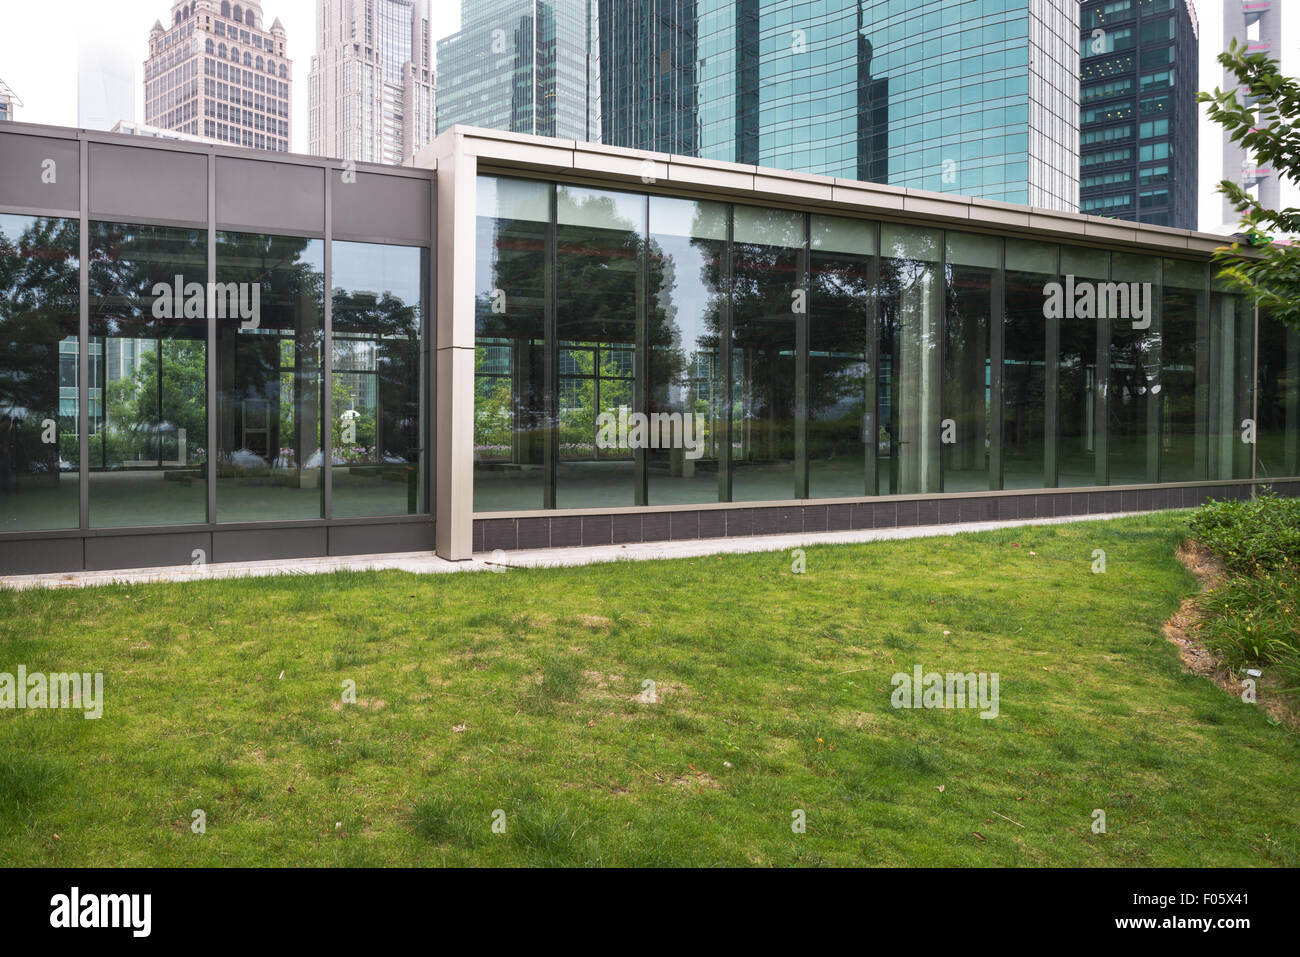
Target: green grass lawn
773,696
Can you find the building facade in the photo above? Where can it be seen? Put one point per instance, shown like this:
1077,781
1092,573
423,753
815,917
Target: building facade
9,102
972,98
523,66
217,71
648,87
157,132
600,355
1139,120
372,80
1257,24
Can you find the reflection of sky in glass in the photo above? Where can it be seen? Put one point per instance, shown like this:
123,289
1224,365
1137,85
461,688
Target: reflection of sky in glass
370,267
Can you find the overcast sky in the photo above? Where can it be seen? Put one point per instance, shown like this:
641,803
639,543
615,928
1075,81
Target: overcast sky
38,60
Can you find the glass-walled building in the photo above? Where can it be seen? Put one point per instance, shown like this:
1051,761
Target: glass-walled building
777,354
206,356
212,355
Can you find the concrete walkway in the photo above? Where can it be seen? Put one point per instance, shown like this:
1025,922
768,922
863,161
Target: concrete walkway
498,561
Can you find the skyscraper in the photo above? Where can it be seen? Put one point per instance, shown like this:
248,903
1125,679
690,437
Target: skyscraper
1138,122
8,101
1258,24
648,75
371,94
977,97
525,66
217,72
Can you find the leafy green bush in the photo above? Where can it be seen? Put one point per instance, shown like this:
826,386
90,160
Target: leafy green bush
1251,536
1254,617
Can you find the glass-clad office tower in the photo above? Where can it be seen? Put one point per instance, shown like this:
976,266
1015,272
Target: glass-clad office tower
1138,117
522,66
976,97
649,94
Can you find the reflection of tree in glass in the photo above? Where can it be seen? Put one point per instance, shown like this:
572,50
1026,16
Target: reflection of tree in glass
38,309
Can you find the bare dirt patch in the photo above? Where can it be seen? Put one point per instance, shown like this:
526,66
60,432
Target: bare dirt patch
1182,630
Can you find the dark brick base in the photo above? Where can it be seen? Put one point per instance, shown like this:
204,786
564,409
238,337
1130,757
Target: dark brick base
544,531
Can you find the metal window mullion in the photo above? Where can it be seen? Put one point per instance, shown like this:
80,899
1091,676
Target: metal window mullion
724,357
83,339
326,418
211,335
872,383
801,364
551,354
641,356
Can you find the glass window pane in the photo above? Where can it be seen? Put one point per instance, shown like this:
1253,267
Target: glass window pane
1278,440
511,421
269,382
39,315
973,277
379,390
841,417
148,357
688,248
911,325
1230,391
599,247
1077,385
1030,267
1132,412
767,268
1185,378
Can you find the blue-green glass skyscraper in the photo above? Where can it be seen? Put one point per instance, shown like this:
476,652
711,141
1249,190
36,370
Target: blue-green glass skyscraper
523,66
978,97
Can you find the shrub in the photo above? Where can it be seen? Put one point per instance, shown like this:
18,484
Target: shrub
1254,617
1251,537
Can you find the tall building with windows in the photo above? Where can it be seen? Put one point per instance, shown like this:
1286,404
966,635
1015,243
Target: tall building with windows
1258,24
1138,118
218,72
8,102
977,97
524,66
371,87
648,75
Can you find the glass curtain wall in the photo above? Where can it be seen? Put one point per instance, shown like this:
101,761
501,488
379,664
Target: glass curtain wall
39,317
706,352
973,274
1078,388
513,295
379,407
148,380
600,282
910,305
1133,408
1278,440
1185,375
841,358
1030,267
1230,405
270,383
768,299
687,292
